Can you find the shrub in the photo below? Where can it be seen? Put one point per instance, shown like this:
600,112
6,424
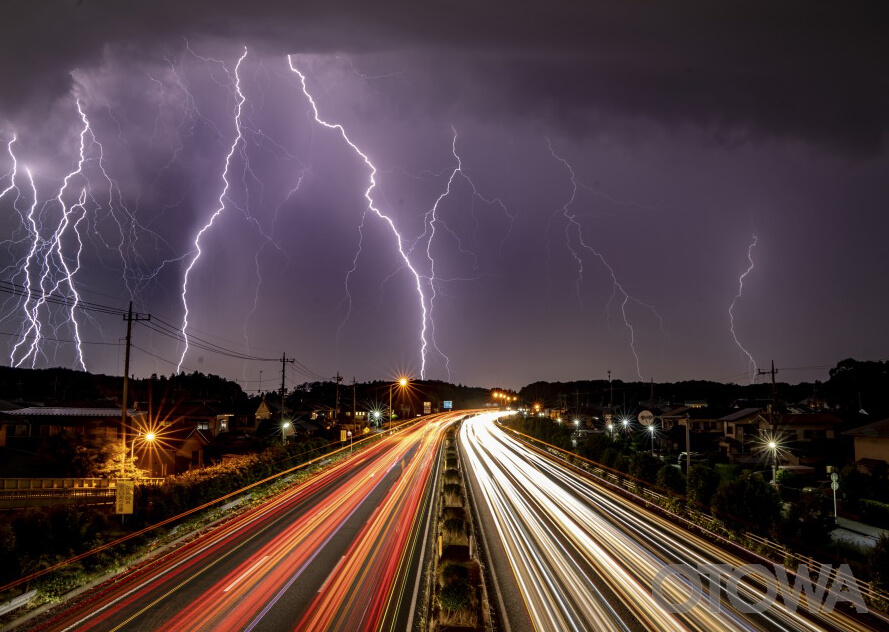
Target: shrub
748,503
456,595
874,512
451,489
451,572
454,526
878,563
671,479
701,484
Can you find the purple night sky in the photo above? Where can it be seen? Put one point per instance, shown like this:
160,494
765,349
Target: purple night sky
688,128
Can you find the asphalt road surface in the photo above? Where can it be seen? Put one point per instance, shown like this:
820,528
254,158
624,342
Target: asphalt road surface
577,556
341,551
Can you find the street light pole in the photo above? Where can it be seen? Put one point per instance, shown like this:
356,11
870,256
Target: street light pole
773,448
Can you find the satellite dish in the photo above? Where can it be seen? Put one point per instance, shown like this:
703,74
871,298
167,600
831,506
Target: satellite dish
646,417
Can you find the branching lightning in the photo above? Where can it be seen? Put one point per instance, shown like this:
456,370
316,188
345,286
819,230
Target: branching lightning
236,79
618,291
751,363
371,206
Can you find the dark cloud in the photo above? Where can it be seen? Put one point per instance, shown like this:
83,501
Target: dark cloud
800,69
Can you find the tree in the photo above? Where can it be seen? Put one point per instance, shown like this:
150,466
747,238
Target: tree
702,483
671,479
747,503
807,523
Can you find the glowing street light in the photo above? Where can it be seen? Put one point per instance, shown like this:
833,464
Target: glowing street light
284,428
651,431
147,438
402,384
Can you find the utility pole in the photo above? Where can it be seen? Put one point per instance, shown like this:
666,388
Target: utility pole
336,404
773,372
284,361
130,317
610,392
354,402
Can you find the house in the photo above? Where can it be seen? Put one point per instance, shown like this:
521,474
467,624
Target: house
27,428
805,439
871,445
175,451
705,428
197,414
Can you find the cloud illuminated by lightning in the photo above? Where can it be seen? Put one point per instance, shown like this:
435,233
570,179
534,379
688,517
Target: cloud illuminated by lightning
573,226
751,363
371,206
221,200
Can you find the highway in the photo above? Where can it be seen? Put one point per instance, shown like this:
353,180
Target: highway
579,557
340,551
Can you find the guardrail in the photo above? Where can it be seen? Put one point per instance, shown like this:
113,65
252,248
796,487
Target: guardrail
700,520
21,493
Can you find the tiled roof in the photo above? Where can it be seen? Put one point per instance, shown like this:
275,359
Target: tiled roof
48,411
876,429
741,414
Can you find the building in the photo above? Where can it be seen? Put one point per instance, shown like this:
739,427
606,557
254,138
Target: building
871,445
27,428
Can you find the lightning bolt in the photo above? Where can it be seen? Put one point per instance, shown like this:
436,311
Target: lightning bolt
371,206
573,226
751,363
236,79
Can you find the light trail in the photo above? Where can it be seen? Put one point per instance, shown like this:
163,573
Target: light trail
585,558
339,547
751,363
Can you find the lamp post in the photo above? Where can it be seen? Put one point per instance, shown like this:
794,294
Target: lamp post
773,448
401,383
651,432
148,437
611,430
284,428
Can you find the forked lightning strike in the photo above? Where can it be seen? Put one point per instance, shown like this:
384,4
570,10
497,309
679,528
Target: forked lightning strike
371,206
751,363
617,287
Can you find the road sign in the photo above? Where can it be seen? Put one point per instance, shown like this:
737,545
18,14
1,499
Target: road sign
834,476
448,404
834,486
427,408
646,417
123,501
343,435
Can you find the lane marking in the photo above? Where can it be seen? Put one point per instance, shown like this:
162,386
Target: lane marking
335,569
245,573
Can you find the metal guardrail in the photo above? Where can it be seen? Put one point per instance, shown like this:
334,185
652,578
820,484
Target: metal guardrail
711,524
21,493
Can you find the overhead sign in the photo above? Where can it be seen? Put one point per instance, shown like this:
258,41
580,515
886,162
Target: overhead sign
448,404
646,417
123,502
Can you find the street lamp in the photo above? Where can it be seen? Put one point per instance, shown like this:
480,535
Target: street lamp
626,423
773,448
651,431
284,428
148,437
611,430
401,383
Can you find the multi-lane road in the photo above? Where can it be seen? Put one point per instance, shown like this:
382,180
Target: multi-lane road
341,551
569,555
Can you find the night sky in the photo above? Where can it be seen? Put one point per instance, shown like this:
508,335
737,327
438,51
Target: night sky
617,162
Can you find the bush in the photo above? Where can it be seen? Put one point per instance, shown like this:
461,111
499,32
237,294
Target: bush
454,526
456,595
671,479
452,489
878,563
453,572
874,512
747,503
701,484
644,467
